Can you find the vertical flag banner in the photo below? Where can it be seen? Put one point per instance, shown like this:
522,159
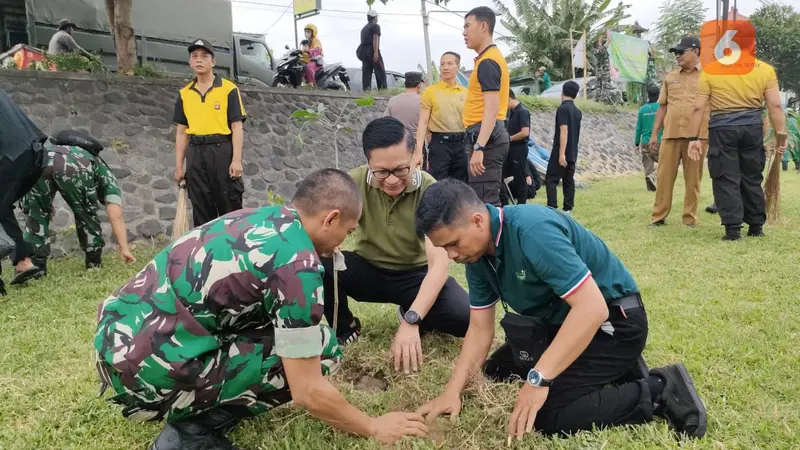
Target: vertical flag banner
628,57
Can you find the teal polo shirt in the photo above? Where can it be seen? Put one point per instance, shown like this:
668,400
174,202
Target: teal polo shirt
542,257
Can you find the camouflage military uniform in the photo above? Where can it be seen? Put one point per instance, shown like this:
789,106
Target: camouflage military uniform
84,182
603,75
206,323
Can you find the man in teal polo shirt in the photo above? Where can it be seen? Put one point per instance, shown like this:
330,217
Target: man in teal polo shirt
578,325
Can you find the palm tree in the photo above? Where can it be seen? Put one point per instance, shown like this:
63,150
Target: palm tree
540,29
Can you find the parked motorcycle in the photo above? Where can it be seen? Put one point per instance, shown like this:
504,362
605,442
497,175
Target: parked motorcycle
291,69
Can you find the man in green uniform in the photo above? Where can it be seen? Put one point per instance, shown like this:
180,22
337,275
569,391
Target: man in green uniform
225,323
578,325
644,127
84,181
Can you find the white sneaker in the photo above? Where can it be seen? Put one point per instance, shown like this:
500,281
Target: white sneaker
569,213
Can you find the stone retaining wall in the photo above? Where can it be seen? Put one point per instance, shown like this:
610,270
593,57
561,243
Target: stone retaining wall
132,117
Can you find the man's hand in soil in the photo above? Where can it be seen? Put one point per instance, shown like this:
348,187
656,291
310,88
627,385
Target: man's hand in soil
529,402
407,348
446,403
394,426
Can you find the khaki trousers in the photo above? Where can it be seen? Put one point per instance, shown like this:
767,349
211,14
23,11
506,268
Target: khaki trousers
672,153
649,161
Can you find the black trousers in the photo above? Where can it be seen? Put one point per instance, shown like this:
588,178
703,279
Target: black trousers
18,177
566,175
367,67
365,282
515,166
736,160
210,188
489,185
601,388
446,157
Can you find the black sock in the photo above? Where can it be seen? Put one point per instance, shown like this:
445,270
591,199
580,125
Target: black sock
656,385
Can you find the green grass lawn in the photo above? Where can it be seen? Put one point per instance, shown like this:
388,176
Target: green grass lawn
728,311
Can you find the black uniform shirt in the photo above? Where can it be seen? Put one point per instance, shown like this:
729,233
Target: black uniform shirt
17,131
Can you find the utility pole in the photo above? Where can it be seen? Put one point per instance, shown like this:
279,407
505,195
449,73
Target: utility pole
425,23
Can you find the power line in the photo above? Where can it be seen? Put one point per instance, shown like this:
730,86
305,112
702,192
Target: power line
278,19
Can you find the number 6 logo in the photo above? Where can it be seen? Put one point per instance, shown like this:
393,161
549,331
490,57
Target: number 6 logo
727,48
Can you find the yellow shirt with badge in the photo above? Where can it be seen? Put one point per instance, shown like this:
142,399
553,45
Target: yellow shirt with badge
446,105
212,113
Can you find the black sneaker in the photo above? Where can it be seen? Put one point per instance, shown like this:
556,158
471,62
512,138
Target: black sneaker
658,223
350,334
712,208
755,231
679,404
204,432
650,185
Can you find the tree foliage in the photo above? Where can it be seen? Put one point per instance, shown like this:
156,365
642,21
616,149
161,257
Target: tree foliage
777,42
678,18
540,30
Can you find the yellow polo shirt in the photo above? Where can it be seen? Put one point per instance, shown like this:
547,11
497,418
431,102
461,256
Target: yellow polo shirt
490,74
446,105
212,113
729,93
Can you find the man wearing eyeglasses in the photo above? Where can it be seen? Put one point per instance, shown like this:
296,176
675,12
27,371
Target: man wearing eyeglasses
388,262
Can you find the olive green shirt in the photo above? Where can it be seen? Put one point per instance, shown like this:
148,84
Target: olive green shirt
386,236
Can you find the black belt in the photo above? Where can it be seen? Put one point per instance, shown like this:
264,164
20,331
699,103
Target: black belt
449,137
209,139
628,302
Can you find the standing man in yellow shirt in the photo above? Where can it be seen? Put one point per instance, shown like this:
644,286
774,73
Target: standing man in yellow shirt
441,115
486,106
209,116
676,103
736,154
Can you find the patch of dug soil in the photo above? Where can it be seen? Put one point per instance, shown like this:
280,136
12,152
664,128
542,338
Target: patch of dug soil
371,384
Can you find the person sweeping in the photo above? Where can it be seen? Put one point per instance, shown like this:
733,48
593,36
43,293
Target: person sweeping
736,139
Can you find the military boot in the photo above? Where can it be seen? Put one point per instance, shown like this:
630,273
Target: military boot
39,258
94,259
203,432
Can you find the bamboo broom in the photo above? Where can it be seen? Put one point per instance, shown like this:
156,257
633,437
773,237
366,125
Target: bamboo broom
772,185
181,224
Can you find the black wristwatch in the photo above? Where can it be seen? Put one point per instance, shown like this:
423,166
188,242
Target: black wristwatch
478,147
412,317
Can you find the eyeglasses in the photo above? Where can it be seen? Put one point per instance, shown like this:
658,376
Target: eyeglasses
400,172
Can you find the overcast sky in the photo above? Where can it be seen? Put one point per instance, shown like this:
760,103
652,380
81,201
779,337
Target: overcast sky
402,42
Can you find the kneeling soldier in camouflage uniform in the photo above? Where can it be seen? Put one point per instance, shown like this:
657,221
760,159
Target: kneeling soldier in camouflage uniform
225,323
84,182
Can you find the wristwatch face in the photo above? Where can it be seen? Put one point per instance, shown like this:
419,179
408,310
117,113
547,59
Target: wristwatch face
534,377
412,317
477,146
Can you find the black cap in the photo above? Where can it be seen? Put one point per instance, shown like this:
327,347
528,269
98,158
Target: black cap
202,43
413,78
686,43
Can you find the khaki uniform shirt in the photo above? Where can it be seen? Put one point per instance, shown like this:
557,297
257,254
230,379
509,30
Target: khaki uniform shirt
678,94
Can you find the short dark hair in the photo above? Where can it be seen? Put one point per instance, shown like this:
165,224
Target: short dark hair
511,94
483,14
326,189
458,57
444,203
652,93
385,132
570,89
